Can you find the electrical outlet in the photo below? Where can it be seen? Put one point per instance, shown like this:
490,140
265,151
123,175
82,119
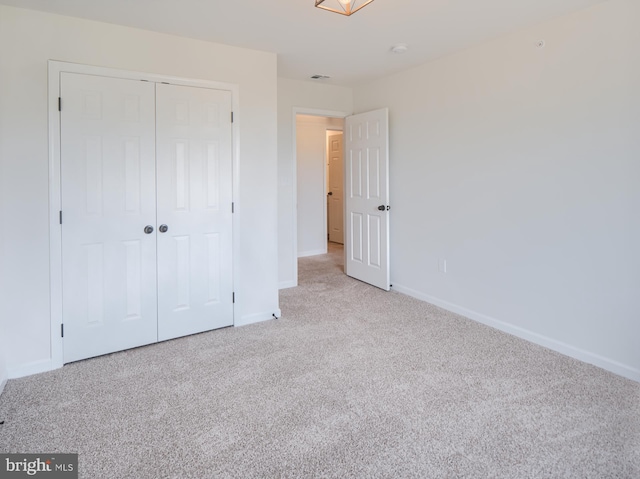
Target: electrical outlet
442,265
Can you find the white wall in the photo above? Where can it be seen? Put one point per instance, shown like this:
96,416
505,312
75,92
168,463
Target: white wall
311,154
3,362
520,167
4,375
310,96
27,40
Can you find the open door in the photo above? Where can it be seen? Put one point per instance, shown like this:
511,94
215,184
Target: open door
336,184
367,197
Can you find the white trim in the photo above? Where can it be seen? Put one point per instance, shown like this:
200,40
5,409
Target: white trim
325,198
3,383
55,238
257,318
55,68
536,338
287,284
34,367
315,112
314,252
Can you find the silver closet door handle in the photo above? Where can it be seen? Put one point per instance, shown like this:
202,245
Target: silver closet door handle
148,229
163,228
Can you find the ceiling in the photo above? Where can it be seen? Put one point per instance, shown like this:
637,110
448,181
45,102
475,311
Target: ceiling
309,41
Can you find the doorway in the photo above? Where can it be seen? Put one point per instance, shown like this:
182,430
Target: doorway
366,206
319,185
366,203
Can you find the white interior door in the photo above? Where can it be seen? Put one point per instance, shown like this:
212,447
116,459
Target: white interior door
108,197
194,162
367,197
336,196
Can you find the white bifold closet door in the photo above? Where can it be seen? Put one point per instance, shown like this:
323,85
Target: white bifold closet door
134,161
194,202
108,189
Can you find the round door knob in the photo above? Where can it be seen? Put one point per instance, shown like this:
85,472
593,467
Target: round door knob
148,229
381,208
330,193
163,228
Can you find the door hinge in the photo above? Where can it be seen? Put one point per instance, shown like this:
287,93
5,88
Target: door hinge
233,207
231,117
59,103
233,297
60,216
62,330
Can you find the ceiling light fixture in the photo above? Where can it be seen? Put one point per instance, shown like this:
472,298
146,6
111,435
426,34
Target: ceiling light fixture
343,7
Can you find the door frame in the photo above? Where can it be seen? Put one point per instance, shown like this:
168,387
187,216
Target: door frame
313,112
55,68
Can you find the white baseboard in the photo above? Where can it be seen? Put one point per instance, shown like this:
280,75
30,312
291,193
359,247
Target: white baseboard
34,367
257,318
314,252
558,346
3,383
287,284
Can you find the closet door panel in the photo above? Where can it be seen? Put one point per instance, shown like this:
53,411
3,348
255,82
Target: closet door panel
194,181
108,190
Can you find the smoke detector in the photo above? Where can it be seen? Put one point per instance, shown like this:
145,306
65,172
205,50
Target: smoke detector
319,77
399,48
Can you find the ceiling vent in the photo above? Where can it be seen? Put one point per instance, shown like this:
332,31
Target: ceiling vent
320,77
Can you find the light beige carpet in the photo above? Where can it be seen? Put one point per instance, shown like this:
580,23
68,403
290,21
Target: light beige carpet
350,382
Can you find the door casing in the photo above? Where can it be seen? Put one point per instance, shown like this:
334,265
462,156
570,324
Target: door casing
55,68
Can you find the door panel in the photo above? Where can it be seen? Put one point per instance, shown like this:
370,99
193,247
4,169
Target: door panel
336,181
367,181
108,196
194,163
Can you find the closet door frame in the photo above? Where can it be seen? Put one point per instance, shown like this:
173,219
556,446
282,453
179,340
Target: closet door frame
55,68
